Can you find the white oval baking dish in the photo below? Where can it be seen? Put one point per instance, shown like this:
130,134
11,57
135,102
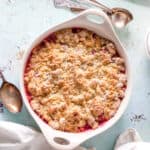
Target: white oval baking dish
147,43
103,27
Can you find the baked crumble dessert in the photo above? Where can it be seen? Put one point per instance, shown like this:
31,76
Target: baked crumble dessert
75,80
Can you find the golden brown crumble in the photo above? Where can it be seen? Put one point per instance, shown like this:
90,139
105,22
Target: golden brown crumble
76,80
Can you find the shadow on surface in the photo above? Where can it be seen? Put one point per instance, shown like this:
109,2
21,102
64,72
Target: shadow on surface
141,2
22,118
107,139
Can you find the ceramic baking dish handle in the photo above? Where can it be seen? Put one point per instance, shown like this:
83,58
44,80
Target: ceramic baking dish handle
61,141
97,19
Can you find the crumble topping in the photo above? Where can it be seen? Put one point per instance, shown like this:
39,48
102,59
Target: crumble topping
75,80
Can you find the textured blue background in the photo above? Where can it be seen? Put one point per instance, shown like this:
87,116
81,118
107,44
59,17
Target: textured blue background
23,20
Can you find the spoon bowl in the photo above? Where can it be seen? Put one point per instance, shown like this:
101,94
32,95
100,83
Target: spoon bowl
10,96
121,17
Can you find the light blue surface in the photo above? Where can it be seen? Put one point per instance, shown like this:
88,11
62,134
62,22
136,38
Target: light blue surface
23,20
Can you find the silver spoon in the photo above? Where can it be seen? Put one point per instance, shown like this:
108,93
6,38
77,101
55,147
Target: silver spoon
120,17
10,96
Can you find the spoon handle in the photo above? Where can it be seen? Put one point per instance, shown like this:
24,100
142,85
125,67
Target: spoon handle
98,4
75,9
2,76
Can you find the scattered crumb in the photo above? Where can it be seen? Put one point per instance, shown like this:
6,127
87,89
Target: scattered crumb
10,1
1,105
132,44
19,54
32,7
1,108
148,93
8,66
137,118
